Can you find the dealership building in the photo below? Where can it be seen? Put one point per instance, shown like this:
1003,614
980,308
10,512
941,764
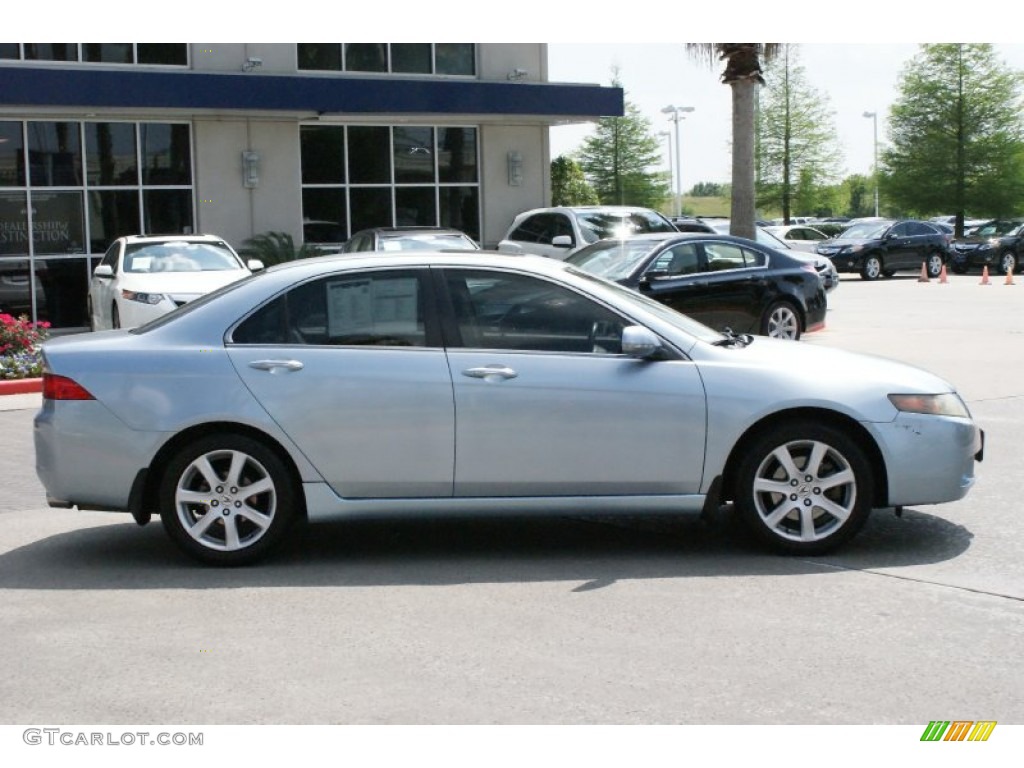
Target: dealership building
317,140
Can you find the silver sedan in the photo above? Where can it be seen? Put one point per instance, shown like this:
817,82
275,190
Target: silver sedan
433,384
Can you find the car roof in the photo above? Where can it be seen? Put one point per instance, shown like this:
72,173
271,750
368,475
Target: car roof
172,238
412,230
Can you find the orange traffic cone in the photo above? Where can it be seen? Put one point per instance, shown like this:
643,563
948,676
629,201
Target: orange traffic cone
942,275
984,276
924,274
1009,278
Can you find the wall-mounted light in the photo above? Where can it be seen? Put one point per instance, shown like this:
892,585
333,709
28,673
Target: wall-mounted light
515,169
252,63
250,169
517,74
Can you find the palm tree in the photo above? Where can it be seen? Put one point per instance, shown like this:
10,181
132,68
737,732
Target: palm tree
742,74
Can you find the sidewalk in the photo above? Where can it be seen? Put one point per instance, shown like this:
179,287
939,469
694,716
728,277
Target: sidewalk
32,400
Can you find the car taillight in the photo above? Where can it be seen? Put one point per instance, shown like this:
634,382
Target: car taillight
62,388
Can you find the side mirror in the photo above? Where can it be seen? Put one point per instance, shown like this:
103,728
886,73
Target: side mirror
254,265
103,270
640,342
562,241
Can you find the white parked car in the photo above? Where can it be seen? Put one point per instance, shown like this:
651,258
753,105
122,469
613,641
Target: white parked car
558,232
799,236
142,277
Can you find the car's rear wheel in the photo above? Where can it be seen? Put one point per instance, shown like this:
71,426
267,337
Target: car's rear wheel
872,268
1007,263
805,488
227,499
781,321
934,264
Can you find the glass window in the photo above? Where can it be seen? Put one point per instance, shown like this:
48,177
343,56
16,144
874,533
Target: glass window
723,256
12,155
414,155
55,154
13,223
369,152
496,310
415,206
171,54
58,223
366,57
168,212
371,207
324,215
681,259
166,153
325,56
10,51
108,53
112,213
323,154
460,209
455,58
52,51
413,58
379,309
111,157
456,155
64,284
16,286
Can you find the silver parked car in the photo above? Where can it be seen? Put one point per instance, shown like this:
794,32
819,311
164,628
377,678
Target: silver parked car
440,383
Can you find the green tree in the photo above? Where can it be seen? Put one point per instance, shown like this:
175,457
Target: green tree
617,160
743,75
568,184
708,189
797,148
955,137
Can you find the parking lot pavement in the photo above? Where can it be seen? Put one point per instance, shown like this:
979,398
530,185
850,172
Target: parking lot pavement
634,621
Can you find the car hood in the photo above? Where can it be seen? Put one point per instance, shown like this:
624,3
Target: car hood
802,372
180,282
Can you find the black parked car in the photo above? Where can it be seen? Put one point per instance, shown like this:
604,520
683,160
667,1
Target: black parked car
998,243
720,280
881,248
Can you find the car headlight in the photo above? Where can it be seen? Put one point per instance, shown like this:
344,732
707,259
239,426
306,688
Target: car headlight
948,404
855,248
143,298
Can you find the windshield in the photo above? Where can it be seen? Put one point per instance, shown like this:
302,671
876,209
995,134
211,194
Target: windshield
869,230
427,242
612,259
601,225
995,228
179,256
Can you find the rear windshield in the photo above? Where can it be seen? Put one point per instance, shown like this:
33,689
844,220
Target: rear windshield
601,225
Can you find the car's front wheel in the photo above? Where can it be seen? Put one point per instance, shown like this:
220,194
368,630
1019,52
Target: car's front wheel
804,488
227,499
781,321
872,268
934,264
1007,263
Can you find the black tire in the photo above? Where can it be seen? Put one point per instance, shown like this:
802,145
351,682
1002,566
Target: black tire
872,268
934,264
216,476
781,321
888,273
960,269
1007,263
814,511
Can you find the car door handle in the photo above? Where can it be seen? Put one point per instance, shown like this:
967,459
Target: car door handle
274,365
490,373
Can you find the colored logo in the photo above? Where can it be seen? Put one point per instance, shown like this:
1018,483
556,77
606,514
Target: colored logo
958,730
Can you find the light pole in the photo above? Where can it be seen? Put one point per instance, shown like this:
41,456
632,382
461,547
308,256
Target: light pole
874,119
675,112
668,142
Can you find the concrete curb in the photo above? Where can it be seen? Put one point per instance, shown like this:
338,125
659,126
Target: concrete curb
20,386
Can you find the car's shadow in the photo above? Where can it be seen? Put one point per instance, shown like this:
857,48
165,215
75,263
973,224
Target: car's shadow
587,553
